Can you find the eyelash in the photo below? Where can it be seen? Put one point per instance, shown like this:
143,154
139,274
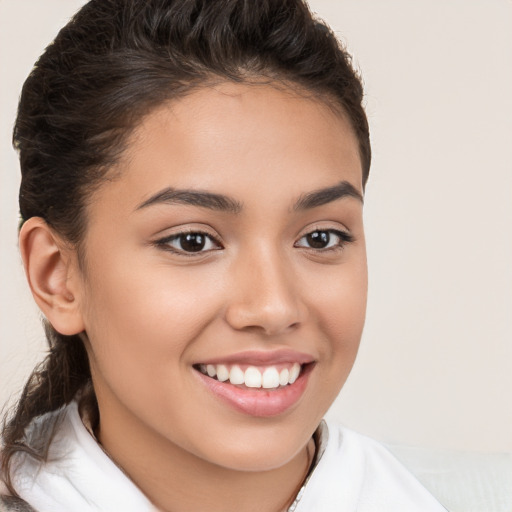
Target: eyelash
164,243
344,238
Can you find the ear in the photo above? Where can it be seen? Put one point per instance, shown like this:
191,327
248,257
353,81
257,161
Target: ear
53,275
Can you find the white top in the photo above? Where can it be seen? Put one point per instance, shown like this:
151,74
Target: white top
354,473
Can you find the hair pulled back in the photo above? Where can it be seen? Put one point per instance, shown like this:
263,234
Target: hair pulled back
111,65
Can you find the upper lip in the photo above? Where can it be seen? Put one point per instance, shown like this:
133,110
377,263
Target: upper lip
262,357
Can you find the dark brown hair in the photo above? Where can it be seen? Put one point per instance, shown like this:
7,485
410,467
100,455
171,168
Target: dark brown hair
113,63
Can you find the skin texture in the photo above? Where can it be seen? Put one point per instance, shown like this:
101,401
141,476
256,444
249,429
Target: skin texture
150,314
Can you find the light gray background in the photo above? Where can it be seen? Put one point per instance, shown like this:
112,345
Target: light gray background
435,363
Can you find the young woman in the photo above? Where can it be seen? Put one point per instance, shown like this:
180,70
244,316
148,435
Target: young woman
191,202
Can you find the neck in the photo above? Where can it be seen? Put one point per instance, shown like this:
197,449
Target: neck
176,480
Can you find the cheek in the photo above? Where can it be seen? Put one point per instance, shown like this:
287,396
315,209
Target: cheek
140,322
341,305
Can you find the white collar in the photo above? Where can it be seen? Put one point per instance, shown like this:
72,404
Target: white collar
78,475
350,473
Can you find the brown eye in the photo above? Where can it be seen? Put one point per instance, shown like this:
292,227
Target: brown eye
192,242
325,239
318,239
189,243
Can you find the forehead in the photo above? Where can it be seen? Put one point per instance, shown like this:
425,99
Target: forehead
237,140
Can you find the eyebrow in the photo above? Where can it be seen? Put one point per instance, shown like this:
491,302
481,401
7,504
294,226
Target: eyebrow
224,203
199,198
327,195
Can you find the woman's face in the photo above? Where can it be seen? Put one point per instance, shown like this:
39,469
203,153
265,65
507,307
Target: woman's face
229,248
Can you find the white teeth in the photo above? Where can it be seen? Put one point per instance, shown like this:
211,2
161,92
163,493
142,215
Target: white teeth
222,373
252,377
294,373
270,378
284,376
236,375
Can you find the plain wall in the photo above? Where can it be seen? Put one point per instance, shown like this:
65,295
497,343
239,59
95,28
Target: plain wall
435,363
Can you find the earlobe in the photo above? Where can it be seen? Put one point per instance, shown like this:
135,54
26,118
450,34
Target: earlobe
53,275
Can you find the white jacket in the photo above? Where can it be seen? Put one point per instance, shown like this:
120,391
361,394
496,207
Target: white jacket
351,473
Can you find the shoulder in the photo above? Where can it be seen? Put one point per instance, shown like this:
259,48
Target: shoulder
359,474
73,472
459,480
24,463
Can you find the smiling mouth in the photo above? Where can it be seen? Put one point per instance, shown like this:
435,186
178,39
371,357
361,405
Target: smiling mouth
269,377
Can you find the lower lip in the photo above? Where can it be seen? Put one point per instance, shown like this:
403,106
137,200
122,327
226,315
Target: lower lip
259,402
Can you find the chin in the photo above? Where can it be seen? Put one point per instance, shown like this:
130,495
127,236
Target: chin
259,460
259,449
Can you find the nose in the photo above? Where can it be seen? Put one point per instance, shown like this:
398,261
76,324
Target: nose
265,295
